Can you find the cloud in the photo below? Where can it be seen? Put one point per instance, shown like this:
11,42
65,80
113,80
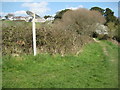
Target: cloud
60,0
74,8
3,13
39,8
17,0
20,13
16,13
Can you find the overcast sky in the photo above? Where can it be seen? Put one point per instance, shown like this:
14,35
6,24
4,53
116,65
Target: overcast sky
50,8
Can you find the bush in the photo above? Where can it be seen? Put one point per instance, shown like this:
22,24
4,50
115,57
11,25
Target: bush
16,37
64,36
82,21
55,40
117,34
112,29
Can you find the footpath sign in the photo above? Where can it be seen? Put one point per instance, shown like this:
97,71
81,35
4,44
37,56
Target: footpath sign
33,29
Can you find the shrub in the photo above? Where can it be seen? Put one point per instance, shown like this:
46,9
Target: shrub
64,36
112,29
82,21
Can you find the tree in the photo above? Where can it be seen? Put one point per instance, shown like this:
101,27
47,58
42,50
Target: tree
9,15
109,15
117,34
6,17
60,14
48,16
73,30
98,9
82,21
112,29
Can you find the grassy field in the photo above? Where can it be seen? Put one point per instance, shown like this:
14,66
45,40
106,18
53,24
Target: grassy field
95,67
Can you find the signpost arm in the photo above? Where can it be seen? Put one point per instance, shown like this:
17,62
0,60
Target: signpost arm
34,35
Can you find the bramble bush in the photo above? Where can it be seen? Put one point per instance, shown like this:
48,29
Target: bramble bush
64,36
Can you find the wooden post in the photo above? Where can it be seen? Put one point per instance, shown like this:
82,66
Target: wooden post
34,35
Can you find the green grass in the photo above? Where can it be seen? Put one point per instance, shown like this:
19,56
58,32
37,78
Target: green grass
91,69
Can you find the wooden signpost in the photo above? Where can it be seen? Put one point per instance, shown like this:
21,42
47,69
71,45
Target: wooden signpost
33,30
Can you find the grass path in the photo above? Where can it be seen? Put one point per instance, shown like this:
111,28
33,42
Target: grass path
91,69
111,52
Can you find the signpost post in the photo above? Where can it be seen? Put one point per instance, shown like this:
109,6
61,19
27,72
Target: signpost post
33,30
34,34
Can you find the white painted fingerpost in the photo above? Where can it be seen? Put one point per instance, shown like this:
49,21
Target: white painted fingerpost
34,35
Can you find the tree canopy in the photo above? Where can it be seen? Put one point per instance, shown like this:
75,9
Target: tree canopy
9,15
98,9
60,14
108,14
47,16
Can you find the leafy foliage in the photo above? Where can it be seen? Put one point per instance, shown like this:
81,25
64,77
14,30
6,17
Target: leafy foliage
9,15
60,14
81,21
67,39
109,15
48,16
17,39
112,22
98,9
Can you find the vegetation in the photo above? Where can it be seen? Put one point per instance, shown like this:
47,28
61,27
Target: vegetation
76,31
48,16
9,15
67,54
95,67
107,13
60,14
112,22
98,9
82,21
